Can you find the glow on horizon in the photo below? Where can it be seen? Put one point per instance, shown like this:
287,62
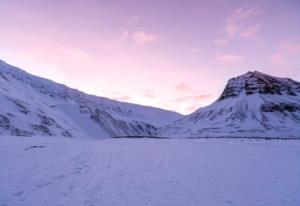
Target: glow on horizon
173,54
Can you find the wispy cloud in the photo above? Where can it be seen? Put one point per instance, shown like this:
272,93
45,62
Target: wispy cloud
149,94
292,46
75,54
143,38
193,98
192,102
124,35
250,31
229,58
237,24
183,87
191,109
221,42
243,23
195,50
129,33
277,59
139,37
132,20
122,98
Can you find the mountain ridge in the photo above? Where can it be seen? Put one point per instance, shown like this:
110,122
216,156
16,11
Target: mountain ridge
38,106
253,104
78,90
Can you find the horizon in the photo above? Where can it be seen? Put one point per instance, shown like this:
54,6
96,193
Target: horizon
171,55
79,89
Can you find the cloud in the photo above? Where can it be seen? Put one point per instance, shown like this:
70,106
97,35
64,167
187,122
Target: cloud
195,50
229,58
251,31
221,42
129,22
122,98
201,97
239,22
183,87
244,13
191,109
139,37
132,20
194,98
242,23
231,29
143,38
124,35
128,33
291,46
277,59
190,103
148,94
75,54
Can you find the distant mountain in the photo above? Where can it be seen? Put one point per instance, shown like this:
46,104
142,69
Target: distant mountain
252,105
31,106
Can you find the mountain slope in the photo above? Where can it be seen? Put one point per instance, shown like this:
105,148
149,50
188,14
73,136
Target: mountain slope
31,105
251,105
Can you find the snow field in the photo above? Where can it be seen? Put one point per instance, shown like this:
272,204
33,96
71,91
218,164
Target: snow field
58,171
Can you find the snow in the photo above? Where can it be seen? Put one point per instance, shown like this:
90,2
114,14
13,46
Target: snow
89,168
25,99
252,105
191,172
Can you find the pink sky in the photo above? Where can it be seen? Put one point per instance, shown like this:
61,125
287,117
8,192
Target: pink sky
171,54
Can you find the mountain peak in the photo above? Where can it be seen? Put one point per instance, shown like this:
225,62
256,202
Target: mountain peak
252,105
255,82
256,74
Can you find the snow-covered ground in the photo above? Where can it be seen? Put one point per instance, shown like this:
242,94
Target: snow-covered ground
183,172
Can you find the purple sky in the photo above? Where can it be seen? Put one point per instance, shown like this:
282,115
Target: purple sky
174,54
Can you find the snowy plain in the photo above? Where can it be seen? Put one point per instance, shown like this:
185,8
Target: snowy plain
185,172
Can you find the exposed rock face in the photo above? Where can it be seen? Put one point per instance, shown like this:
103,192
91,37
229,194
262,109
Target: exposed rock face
280,107
251,105
257,82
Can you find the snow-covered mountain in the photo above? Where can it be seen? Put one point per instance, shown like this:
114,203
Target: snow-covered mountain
30,105
251,105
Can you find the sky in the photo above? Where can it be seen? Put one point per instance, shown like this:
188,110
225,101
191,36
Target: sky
172,54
